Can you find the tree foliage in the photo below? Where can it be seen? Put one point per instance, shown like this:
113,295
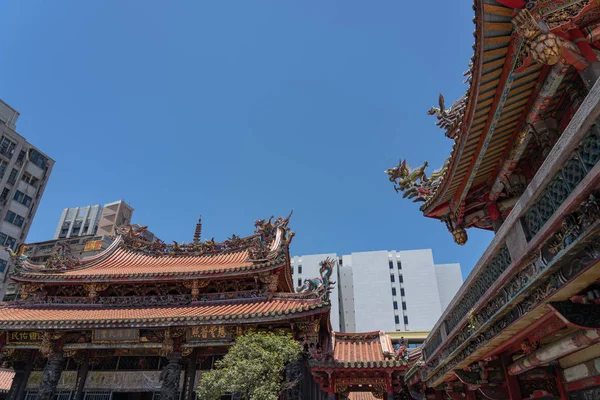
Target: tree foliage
253,367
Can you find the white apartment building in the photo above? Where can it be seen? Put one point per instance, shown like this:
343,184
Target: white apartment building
24,172
385,290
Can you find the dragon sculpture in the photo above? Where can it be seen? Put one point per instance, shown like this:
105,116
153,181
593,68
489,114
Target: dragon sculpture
449,120
320,286
61,258
414,182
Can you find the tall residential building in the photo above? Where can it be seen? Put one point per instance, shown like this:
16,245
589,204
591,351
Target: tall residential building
385,290
92,220
78,221
24,172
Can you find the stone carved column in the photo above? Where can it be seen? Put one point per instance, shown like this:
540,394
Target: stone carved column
169,378
293,376
51,376
189,391
82,373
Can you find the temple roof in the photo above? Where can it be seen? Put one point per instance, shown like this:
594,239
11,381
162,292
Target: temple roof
6,378
362,350
23,316
129,257
361,396
509,89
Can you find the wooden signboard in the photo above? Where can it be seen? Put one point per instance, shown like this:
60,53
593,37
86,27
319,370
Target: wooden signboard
23,337
116,336
209,334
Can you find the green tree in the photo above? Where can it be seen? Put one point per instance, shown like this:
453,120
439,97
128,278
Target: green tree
253,367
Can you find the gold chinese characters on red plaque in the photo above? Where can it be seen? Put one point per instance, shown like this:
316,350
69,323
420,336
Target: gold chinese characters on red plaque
209,334
116,336
23,337
93,245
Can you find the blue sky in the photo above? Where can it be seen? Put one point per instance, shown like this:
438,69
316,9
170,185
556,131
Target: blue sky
239,110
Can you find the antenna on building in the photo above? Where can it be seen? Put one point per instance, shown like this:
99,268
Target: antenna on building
198,230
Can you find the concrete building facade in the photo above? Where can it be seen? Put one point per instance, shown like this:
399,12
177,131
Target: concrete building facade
385,290
93,220
78,221
24,173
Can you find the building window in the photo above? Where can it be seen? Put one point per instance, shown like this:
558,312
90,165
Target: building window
38,159
2,265
12,178
401,279
3,165
29,179
391,265
405,320
402,292
404,305
22,198
392,278
299,282
21,157
299,269
393,291
399,264
4,195
340,261
2,239
397,318
395,305
10,242
7,147
15,219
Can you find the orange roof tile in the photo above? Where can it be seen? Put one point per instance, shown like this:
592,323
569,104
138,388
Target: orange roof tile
350,347
6,378
362,350
361,396
223,312
125,263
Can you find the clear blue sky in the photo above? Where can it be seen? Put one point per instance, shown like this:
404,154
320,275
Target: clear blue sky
239,110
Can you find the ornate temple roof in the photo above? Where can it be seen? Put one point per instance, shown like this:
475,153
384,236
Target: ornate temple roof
23,316
361,396
132,258
6,378
362,350
510,87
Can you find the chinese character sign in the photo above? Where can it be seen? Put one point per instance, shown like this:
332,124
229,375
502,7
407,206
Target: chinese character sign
116,335
23,337
211,333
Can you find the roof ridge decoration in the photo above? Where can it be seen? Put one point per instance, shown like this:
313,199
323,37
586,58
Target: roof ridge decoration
263,245
322,286
414,182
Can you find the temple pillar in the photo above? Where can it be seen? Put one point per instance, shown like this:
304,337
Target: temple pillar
189,391
560,384
331,387
19,383
512,382
82,373
169,378
51,376
293,374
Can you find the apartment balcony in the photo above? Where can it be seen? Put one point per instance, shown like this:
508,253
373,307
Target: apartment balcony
544,251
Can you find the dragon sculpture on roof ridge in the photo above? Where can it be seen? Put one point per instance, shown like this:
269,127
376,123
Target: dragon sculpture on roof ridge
449,119
320,286
414,182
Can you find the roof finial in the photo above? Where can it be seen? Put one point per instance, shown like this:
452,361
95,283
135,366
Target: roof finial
198,231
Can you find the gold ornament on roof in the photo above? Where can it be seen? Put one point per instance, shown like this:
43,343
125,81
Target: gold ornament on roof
544,47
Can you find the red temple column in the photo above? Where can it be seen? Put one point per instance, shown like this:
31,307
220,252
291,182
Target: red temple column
388,386
331,387
512,382
560,384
